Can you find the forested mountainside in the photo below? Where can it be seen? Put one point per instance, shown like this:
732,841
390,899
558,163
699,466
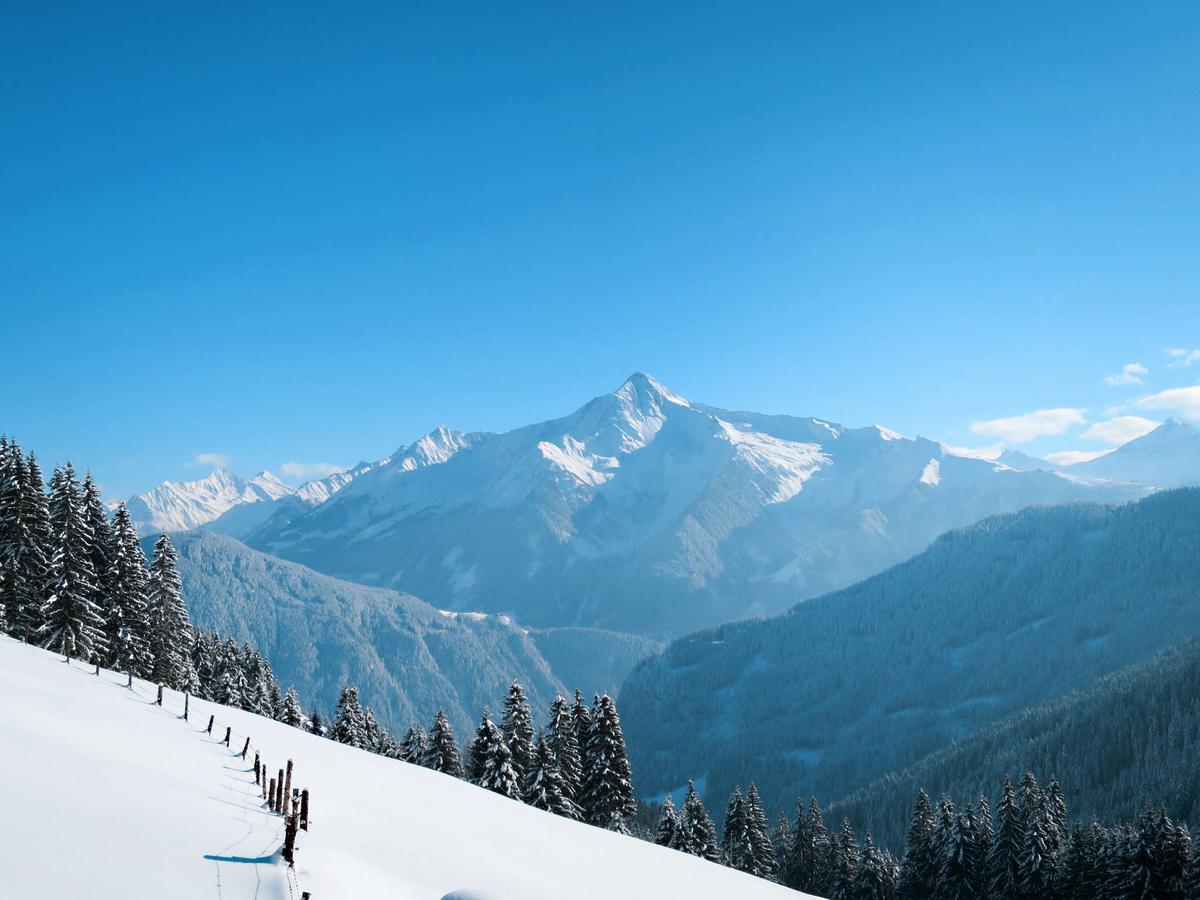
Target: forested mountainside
990,620
643,512
408,659
1129,741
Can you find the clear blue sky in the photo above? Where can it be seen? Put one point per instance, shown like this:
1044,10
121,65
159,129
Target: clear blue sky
284,232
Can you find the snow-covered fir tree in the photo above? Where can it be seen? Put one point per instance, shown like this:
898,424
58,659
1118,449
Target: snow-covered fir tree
560,733
170,633
607,794
24,558
1036,874
103,546
442,754
72,624
544,786
349,725
782,839
667,829
375,737
292,713
414,746
762,851
735,841
491,760
581,721
920,869
874,880
698,835
1005,864
126,615
517,725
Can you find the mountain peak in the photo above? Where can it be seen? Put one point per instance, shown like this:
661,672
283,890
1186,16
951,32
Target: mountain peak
640,386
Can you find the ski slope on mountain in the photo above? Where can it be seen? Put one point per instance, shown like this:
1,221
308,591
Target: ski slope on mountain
110,797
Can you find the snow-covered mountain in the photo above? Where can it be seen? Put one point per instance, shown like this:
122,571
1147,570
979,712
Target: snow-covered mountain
180,506
645,512
1167,457
160,809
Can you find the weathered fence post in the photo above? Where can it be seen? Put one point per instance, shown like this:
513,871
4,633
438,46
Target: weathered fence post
210,723
304,809
287,790
245,747
129,675
305,895
279,793
271,796
228,733
289,839
159,700
256,768
97,668
186,698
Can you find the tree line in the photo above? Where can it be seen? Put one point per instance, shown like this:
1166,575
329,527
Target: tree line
1028,851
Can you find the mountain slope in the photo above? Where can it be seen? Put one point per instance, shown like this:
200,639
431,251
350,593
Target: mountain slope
1130,740
157,808
847,687
1169,456
408,658
645,512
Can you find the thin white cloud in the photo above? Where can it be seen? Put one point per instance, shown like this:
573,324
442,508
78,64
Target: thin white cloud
1184,400
990,452
1131,373
217,460
1120,430
305,471
1181,358
1022,429
1071,457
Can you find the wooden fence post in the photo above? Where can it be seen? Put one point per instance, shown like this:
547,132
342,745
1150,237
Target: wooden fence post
279,793
245,747
97,668
287,790
271,796
129,674
228,733
159,700
210,723
289,839
304,809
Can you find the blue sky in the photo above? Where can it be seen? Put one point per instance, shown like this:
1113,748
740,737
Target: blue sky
283,233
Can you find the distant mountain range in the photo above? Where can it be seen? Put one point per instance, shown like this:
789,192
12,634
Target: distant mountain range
644,512
989,621
408,658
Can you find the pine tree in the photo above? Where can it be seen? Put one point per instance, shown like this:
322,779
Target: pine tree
560,732
581,721
735,841
782,839
667,831
231,687
847,859
414,746
874,878
984,838
170,631
698,835
1056,816
491,761
1075,873
317,725
443,755
103,546
607,796
762,851
72,624
956,880
376,738
1036,872
349,726
292,713
24,562
516,724
29,621
920,869
1005,864
127,623
544,786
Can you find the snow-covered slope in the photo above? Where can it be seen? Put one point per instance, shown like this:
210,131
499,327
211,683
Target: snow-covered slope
644,512
1169,456
110,797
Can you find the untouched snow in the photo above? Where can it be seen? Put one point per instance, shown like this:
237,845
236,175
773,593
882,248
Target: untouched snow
109,796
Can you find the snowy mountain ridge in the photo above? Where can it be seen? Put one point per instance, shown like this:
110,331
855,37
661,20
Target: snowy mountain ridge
646,512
